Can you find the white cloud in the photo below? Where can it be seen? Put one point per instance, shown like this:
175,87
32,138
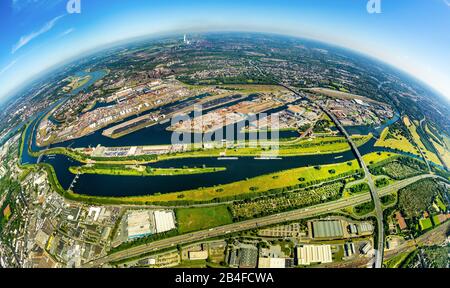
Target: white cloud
24,40
447,2
67,32
7,67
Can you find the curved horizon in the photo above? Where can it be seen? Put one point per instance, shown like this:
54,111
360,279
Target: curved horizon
44,47
128,41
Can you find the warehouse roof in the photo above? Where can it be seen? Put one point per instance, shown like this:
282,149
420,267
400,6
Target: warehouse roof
327,229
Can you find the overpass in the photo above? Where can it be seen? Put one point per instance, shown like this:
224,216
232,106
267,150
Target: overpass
373,189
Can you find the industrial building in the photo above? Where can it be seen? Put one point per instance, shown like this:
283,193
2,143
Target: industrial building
139,224
147,222
309,254
327,229
248,257
273,263
365,227
164,220
349,249
198,255
352,229
366,248
244,256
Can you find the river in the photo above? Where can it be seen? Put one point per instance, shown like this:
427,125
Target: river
105,185
244,167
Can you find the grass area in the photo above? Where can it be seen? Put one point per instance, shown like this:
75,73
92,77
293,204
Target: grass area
263,183
440,203
388,200
125,170
353,189
280,179
436,220
425,224
435,256
443,152
364,209
242,88
195,219
374,158
398,168
237,189
77,82
416,137
396,261
192,264
397,141
321,145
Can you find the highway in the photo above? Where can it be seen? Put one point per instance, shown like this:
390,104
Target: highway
308,212
373,189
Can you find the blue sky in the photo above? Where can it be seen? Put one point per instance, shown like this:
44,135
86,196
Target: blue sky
412,35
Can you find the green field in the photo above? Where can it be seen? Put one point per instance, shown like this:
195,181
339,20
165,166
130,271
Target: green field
436,220
122,170
374,158
77,82
425,224
319,145
397,261
440,204
364,209
195,219
396,141
416,137
281,179
264,183
296,147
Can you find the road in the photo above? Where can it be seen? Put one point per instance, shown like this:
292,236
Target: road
373,189
308,212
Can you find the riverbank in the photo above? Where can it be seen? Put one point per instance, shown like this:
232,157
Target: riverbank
304,176
320,145
317,146
128,170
